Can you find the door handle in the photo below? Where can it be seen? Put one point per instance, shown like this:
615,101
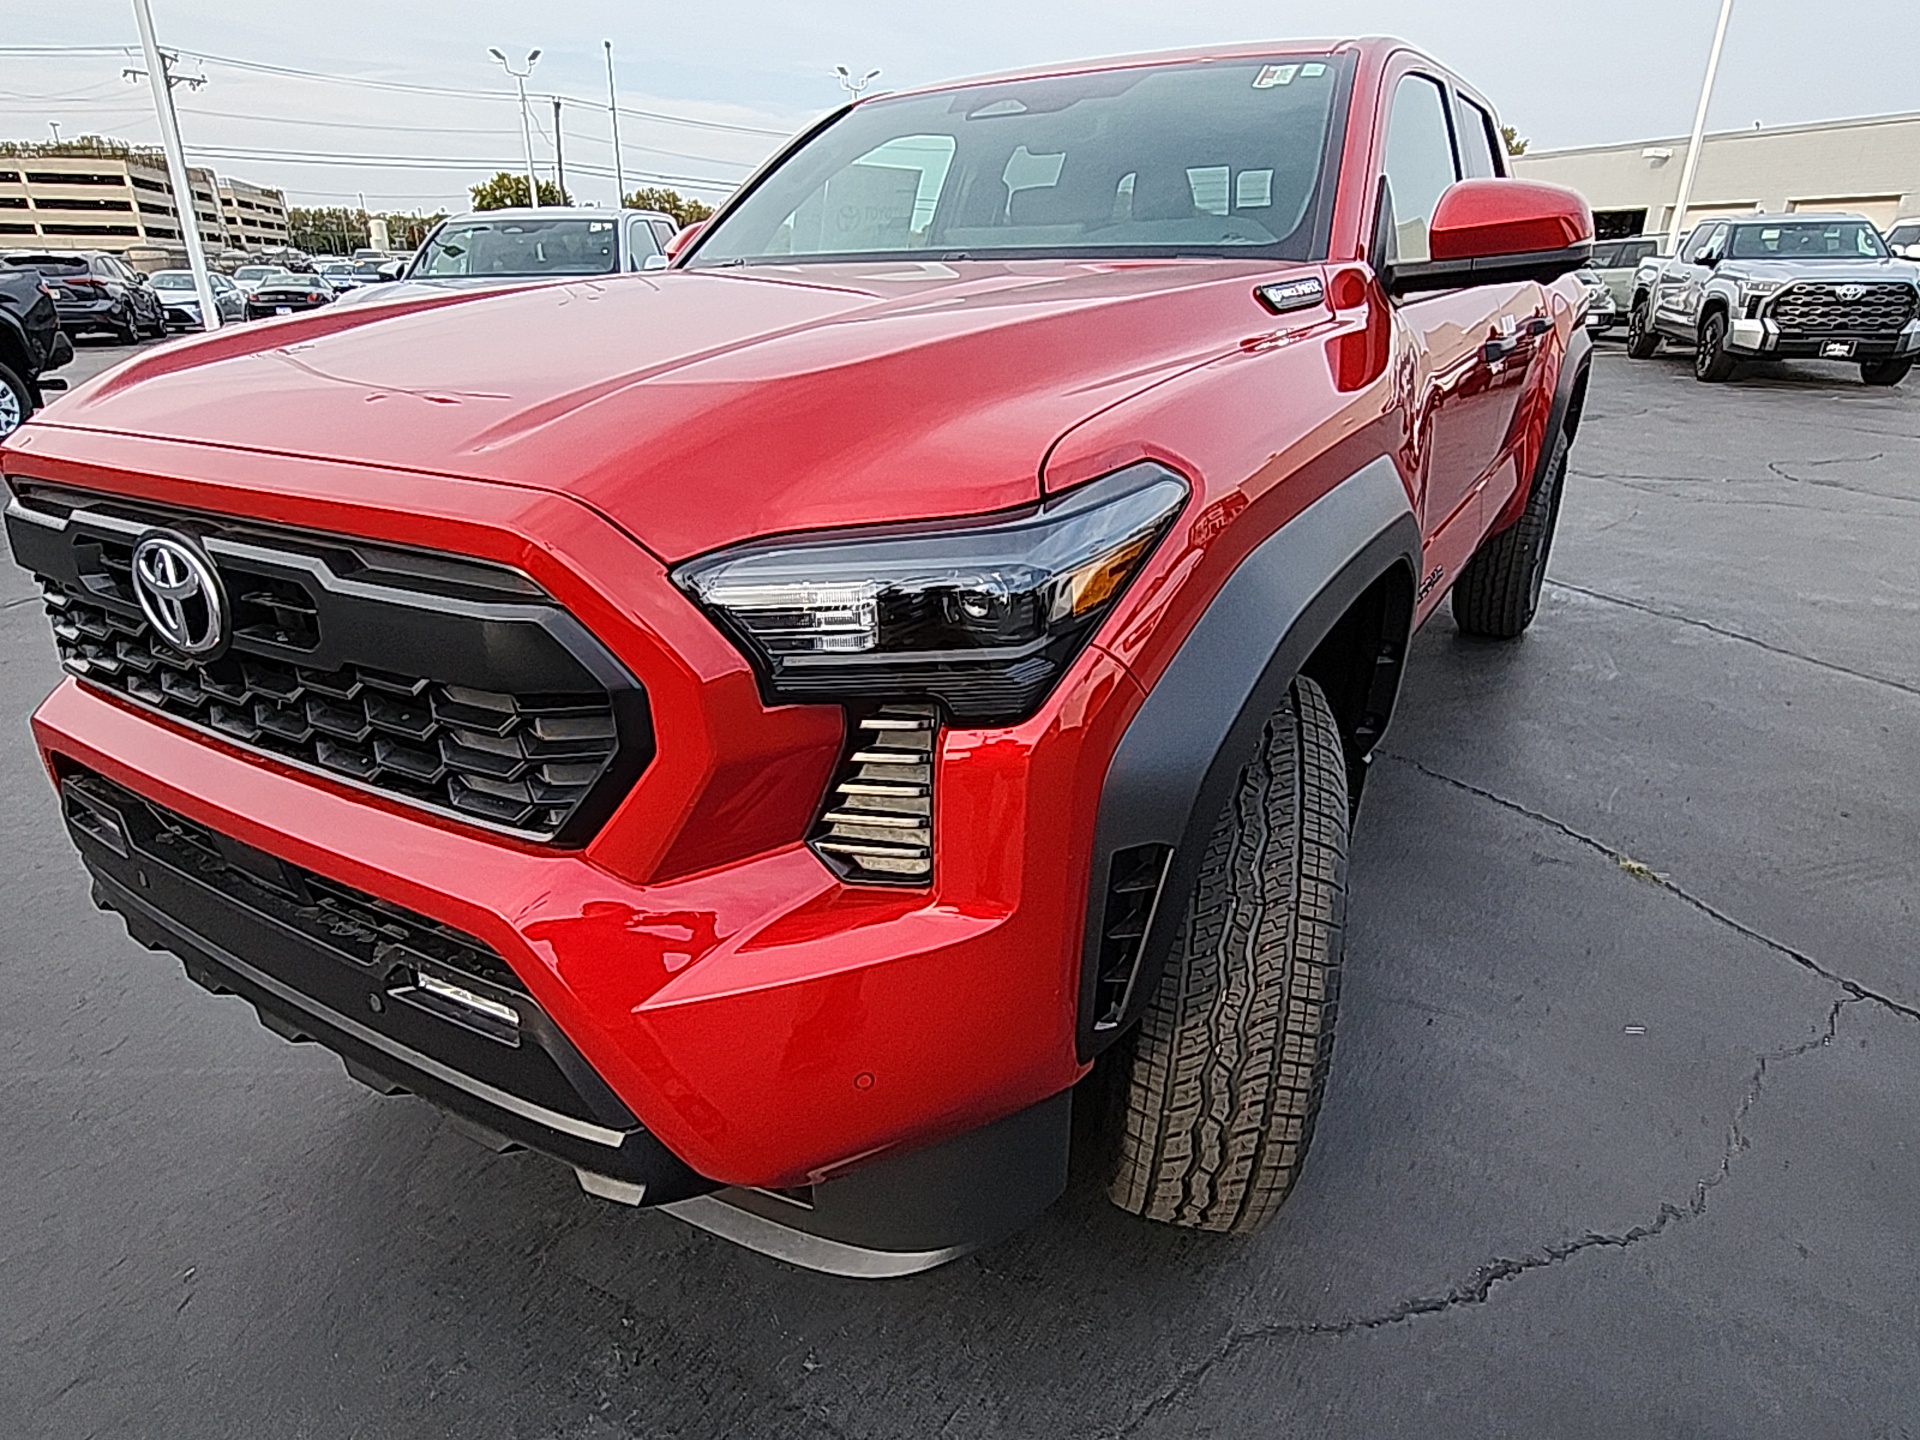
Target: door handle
1500,348
1537,325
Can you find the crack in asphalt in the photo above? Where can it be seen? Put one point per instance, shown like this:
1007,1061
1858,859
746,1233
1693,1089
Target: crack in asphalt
1501,1269
1668,490
1727,634
1777,468
1799,957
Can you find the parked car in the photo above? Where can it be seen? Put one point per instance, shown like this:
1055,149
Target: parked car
762,735
492,248
1615,262
248,277
182,301
94,291
287,295
31,344
1602,314
1774,286
1904,239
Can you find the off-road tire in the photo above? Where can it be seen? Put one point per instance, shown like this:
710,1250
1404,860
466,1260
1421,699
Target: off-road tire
16,401
1642,339
1712,361
1884,372
1497,594
1230,1061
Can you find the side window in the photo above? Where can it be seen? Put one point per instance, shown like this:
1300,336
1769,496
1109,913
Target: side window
1420,163
640,243
1480,142
1716,240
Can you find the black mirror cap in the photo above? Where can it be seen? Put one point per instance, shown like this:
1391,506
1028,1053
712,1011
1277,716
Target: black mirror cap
1409,277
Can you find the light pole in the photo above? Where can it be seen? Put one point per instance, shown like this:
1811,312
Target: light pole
526,122
613,114
853,87
559,154
1699,131
161,78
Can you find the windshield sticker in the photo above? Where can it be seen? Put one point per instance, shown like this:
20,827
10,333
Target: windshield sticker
1312,72
1272,75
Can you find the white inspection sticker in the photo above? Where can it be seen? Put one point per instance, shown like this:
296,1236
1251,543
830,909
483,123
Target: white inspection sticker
1272,75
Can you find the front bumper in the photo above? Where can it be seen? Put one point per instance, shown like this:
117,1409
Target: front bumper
1763,336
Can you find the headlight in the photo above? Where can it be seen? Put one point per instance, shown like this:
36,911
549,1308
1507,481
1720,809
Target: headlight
983,618
1758,289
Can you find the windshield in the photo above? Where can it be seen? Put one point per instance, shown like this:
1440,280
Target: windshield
535,245
1823,240
256,272
171,280
1221,158
1904,235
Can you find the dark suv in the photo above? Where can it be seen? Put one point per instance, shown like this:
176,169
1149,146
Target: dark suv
94,291
31,343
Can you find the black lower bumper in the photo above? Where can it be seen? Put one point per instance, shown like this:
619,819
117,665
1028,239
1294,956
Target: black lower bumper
367,980
382,987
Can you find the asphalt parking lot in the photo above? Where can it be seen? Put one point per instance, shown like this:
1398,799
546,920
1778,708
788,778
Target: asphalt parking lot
1620,1139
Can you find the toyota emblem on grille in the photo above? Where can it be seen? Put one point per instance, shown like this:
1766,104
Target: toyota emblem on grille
180,593
1851,293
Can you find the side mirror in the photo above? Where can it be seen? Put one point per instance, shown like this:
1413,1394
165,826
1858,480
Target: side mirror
391,270
1489,232
685,238
654,262
1705,257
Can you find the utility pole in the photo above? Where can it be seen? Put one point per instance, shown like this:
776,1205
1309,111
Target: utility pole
559,156
613,114
54,125
161,78
526,120
1699,131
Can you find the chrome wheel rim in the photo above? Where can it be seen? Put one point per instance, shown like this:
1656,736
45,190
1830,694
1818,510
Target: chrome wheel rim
13,413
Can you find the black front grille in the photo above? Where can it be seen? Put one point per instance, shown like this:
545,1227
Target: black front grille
369,931
523,761
1882,309
444,683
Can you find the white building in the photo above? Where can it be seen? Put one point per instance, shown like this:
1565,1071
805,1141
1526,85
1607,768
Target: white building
124,202
1870,167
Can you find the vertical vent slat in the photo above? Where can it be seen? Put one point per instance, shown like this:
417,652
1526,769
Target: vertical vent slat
878,822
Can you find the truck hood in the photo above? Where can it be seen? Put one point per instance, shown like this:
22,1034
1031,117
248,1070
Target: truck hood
698,408
1827,271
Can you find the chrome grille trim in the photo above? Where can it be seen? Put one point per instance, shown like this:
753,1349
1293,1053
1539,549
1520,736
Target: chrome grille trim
878,824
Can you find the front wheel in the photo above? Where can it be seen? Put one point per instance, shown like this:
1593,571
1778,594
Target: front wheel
1231,1058
1885,372
1642,338
1712,362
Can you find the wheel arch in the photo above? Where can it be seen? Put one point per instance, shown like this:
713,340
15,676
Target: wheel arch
1330,595
15,355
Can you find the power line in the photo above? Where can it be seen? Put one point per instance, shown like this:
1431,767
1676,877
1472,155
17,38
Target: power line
401,85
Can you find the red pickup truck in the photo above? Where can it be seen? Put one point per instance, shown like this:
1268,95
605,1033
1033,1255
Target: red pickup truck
765,731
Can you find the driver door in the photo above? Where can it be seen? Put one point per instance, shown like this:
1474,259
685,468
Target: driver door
1472,346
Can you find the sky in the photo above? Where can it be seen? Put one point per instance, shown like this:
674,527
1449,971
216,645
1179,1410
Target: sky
731,77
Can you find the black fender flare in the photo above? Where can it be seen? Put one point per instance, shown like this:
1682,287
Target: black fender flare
1171,774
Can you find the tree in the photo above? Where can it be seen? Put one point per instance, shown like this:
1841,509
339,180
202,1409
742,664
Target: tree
505,189
670,202
1515,145
331,231
405,230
